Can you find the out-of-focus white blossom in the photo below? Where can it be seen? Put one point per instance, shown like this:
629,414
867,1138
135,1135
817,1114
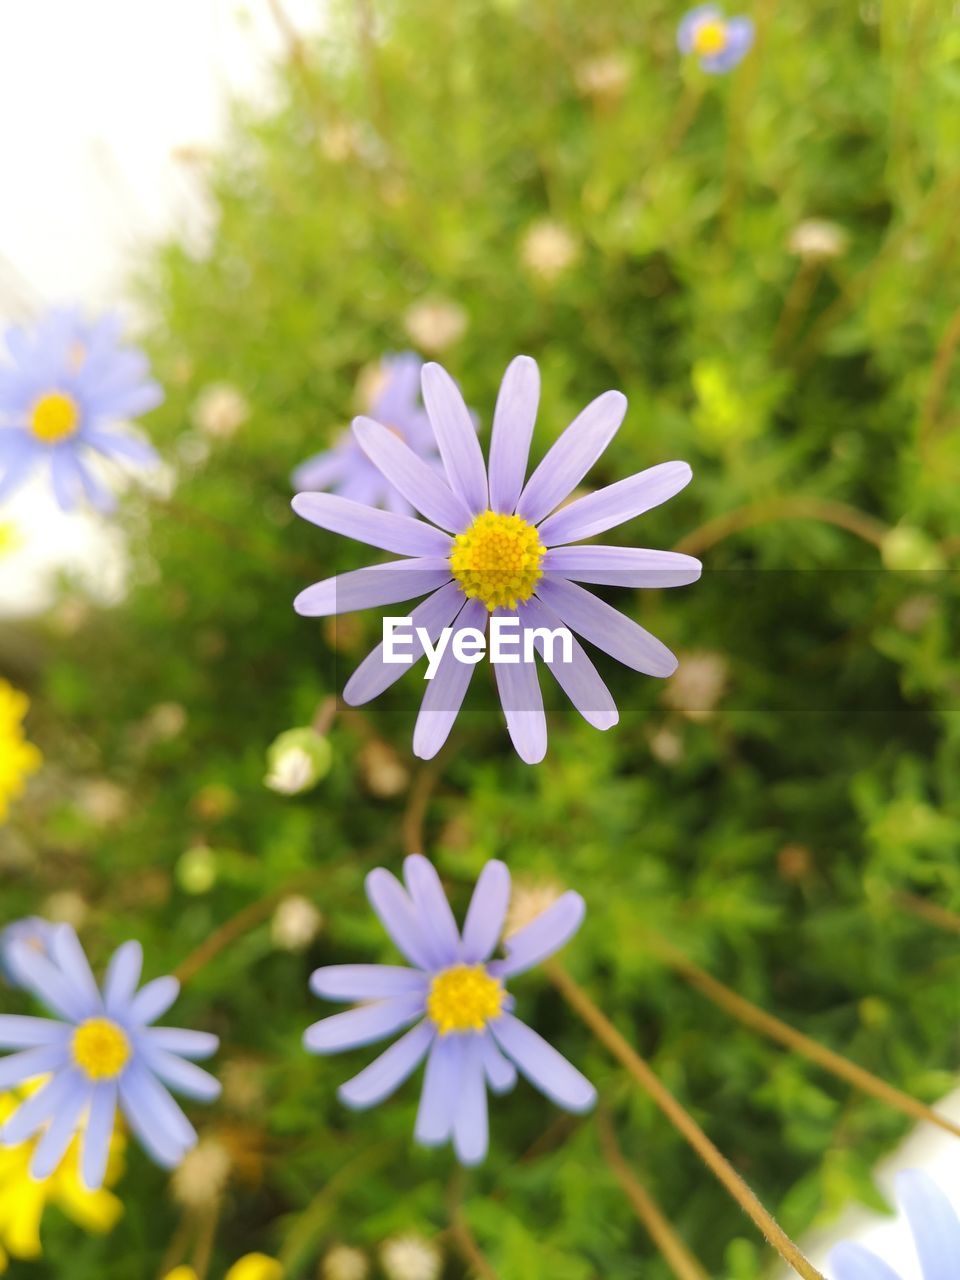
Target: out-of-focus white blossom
220,411
435,324
548,249
411,1258
296,922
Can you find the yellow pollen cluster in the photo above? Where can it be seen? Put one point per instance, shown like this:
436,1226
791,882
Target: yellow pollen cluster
54,417
710,38
464,998
100,1048
498,560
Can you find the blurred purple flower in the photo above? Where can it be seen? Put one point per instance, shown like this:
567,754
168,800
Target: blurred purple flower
31,931
936,1234
68,382
719,42
494,548
455,995
346,470
99,1052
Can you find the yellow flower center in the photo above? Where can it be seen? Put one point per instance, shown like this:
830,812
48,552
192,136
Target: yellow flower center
54,417
100,1048
464,998
498,560
710,38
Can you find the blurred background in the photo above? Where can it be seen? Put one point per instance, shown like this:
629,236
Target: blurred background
275,195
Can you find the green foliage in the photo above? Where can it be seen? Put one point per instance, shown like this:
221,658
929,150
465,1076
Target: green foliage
775,836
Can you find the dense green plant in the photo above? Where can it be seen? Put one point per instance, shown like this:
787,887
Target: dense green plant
778,823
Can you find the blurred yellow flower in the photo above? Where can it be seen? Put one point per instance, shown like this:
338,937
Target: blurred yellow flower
255,1266
23,1200
8,537
18,757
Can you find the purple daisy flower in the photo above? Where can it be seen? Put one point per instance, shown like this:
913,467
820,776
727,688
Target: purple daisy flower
70,381
346,470
936,1235
99,1052
455,995
493,548
719,42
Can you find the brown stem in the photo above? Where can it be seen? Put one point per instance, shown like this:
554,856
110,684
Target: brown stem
930,912
758,1019
252,915
675,1253
461,1234
771,509
681,1119
203,1249
795,303
418,801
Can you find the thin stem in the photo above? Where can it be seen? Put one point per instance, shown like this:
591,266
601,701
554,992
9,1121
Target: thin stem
681,1119
772,509
418,801
243,922
203,1249
177,1248
312,1221
930,912
461,1234
942,365
675,1253
758,1019
795,303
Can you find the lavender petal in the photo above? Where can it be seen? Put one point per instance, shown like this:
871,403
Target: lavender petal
373,587
98,1134
470,1124
545,1068
622,566
569,460
366,1025
579,679
153,1000
456,437
400,534
542,937
500,1072
606,627
447,690
395,912
934,1222
419,483
513,423
486,913
606,508
441,1091
387,1073
365,981
522,703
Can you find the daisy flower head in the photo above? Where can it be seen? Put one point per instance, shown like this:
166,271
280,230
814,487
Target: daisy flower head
100,1051
719,43
454,997
393,398
65,386
494,546
934,1225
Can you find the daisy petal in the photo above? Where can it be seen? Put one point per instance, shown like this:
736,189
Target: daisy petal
542,937
52,1147
617,503
181,1076
606,627
470,1124
441,1090
447,690
395,912
365,981
579,679
68,955
31,1062
437,925
155,1118
853,1262
122,976
500,1072
522,704
98,1134
419,483
184,1043
37,974
934,1223
374,675
319,472
153,1000
486,913
400,534
18,1032
513,423
545,1068
37,1110
622,566
126,447
387,1073
369,588
691,22
569,460
456,437
365,1025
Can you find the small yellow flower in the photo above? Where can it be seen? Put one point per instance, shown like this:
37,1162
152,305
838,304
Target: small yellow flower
18,757
9,539
23,1200
255,1266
